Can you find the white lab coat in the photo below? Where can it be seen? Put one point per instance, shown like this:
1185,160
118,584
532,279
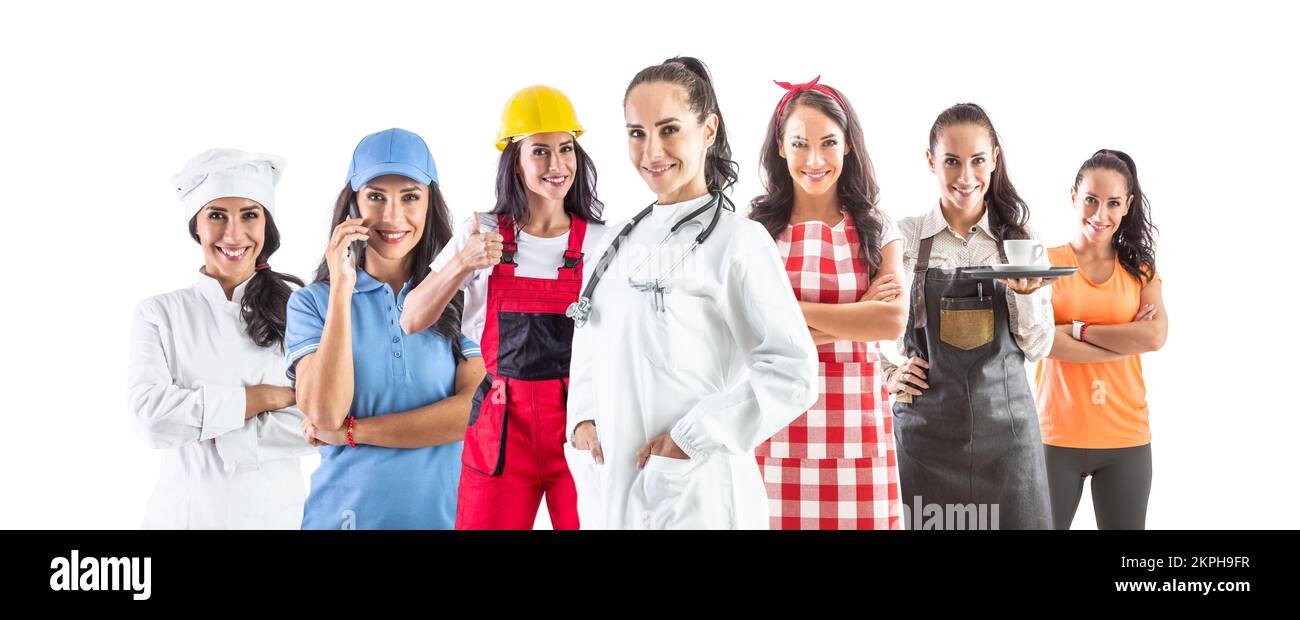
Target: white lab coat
190,361
727,364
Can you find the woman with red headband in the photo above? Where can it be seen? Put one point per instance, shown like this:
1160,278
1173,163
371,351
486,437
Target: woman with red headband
520,267
833,467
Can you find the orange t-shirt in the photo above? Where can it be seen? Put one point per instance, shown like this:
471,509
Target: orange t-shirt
1101,404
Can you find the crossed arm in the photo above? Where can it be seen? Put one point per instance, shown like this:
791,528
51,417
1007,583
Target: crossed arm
881,313
437,423
1145,333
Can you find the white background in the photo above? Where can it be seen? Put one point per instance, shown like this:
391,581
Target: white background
104,102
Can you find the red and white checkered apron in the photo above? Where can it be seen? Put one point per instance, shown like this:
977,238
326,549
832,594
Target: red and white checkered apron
834,467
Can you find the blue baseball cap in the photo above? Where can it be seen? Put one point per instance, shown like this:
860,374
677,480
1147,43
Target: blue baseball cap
392,151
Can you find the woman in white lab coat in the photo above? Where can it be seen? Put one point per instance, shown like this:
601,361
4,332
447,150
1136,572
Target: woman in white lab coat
206,374
690,348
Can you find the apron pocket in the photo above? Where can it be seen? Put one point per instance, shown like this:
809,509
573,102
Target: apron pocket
485,437
587,481
848,420
534,346
966,322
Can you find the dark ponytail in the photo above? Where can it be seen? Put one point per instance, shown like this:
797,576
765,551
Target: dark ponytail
267,293
856,188
1134,238
720,171
1008,213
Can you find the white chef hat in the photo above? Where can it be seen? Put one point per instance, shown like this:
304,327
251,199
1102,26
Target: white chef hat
223,173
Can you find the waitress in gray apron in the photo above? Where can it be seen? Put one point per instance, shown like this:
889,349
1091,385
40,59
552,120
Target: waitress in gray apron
965,424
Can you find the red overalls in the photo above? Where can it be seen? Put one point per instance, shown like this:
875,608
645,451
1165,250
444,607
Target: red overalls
514,445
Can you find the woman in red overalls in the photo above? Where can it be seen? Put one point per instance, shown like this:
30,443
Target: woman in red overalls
833,467
520,267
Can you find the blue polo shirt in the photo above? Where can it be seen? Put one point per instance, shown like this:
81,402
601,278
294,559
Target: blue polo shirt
370,487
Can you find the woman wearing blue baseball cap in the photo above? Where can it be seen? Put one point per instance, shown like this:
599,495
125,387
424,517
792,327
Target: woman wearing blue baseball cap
388,408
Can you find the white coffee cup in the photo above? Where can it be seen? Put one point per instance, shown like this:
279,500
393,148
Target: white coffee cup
1025,252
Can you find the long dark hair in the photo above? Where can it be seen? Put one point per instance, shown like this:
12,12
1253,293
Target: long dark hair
856,187
512,195
267,294
1134,238
720,172
1008,213
437,232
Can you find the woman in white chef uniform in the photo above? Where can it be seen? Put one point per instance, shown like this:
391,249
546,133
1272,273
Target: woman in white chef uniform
690,348
206,376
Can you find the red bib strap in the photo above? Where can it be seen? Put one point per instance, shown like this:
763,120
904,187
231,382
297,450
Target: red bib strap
577,233
572,267
506,227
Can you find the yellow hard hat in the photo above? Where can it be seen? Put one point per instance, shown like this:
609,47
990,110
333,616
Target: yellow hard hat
536,109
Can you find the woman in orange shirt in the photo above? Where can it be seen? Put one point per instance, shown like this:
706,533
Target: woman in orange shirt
1091,397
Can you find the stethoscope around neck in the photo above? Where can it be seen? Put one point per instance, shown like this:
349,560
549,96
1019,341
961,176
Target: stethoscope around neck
580,310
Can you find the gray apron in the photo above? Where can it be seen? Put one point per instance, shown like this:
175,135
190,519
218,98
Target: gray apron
970,441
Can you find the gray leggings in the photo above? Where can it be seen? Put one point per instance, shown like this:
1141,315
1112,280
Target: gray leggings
1121,484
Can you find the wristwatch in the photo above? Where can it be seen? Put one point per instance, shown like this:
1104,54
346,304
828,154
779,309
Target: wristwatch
1078,327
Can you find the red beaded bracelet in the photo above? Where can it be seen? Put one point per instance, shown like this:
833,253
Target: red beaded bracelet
1083,332
351,420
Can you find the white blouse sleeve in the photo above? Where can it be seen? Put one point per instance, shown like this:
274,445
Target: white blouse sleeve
1032,322
766,322
165,415
889,232
457,243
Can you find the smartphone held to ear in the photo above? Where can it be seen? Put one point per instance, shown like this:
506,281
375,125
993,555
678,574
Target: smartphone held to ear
357,249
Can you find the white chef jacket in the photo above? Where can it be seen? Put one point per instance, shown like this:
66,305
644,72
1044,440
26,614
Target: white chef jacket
190,361
726,364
